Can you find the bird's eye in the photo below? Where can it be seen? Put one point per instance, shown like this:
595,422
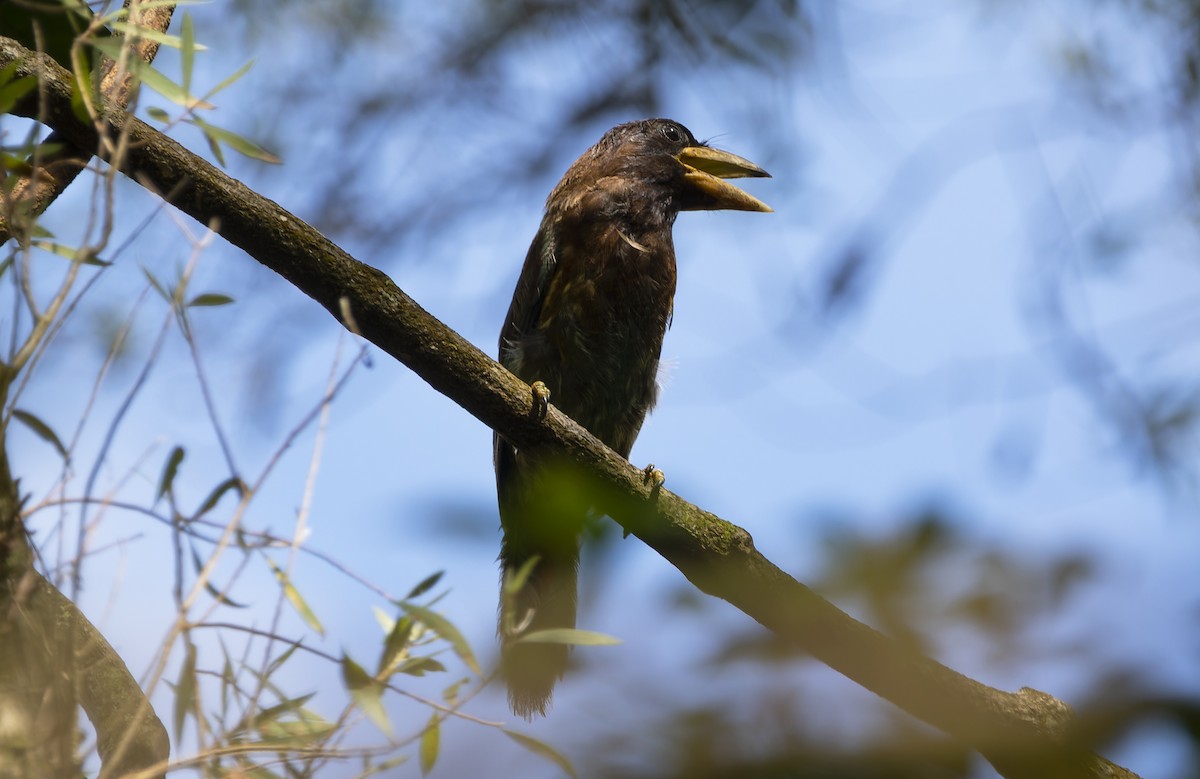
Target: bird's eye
672,134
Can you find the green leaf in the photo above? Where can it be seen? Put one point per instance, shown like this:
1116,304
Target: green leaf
209,299
232,78
70,252
278,662
187,53
158,115
169,471
366,693
12,91
442,626
310,727
272,714
570,636
185,690
211,588
240,144
395,645
151,34
159,288
232,483
450,694
293,596
543,750
41,430
429,744
425,585
151,77
515,581
419,666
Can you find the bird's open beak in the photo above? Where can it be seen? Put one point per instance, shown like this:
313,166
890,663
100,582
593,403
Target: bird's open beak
707,169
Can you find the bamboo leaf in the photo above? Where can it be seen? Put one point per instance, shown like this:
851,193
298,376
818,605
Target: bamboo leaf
429,744
209,299
41,430
366,693
240,144
442,626
169,471
294,598
571,636
425,585
543,750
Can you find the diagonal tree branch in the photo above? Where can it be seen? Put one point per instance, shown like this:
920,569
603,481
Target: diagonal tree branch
1023,734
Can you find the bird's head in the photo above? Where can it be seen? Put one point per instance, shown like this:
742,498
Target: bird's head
656,166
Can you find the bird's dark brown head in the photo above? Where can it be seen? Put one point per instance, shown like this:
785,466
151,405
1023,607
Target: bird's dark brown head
651,170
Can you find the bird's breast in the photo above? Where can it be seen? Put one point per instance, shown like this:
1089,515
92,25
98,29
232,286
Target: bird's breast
597,340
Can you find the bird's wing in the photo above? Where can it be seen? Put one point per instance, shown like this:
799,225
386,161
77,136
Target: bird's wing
523,314
526,305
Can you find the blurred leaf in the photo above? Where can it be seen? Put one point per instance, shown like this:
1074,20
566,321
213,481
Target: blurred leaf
169,471
366,692
232,483
187,53
148,75
395,645
542,750
150,34
242,145
429,744
211,588
70,253
294,598
41,430
12,90
440,625
425,585
570,636
209,299
419,666
185,690
159,288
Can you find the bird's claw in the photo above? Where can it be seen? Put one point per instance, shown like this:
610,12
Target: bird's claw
653,477
541,398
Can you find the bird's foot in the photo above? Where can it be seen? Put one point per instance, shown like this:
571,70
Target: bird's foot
653,477
541,398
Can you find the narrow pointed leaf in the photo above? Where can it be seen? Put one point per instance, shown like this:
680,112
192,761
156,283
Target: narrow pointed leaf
239,143
209,299
294,598
41,430
543,750
366,693
570,636
425,585
185,691
442,626
169,471
429,744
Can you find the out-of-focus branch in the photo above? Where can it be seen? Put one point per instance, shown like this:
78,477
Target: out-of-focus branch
49,175
1023,734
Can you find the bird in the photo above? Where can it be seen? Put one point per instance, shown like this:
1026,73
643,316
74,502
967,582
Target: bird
592,305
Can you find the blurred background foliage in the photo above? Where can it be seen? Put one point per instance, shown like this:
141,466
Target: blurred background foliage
953,386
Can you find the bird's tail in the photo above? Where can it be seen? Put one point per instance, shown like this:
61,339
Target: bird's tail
544,601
